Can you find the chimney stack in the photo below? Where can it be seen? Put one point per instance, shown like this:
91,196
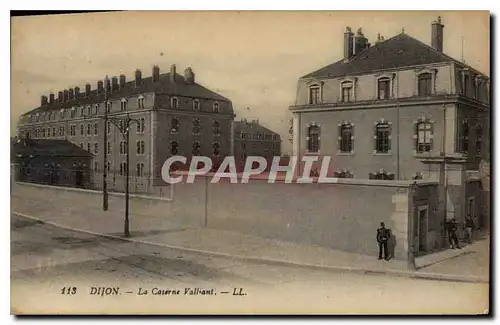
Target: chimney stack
51,98
189,75
156,73
65,95
360,42
348,44
437,35
71,94
100,88
138,77
122,80
43,101
172,73
77,92
114,84
107,85
87,90
60,98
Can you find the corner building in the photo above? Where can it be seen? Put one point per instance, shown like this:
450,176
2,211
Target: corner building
173,115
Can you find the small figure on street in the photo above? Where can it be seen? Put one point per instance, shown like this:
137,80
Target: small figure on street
382,238
452,234
469,227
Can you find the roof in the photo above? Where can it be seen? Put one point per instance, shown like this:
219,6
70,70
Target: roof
47,147
399,51
163,86
251,127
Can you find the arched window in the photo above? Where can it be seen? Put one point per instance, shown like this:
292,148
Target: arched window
347,91
141,125
196,105
216,108
314,94
216,128
82,111
89,110
346,136
123,104
175,102
96,109
313,134
424,136
140,147
140,169
424,84
382,137
89,129
140,102
82,129
384,88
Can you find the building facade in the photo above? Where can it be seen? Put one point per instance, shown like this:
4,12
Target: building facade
171,114
253,139
381,109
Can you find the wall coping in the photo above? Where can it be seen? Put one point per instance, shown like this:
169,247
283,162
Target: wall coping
84,190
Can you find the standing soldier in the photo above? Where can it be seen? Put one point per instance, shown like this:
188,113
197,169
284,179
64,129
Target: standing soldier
452,234
469,226
382,238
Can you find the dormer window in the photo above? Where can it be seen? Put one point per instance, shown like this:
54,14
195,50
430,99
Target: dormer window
196,105
384,88
82,111
174,102
123,105
346,91
89,110
61,113
216,108
108,107
140,102
314,95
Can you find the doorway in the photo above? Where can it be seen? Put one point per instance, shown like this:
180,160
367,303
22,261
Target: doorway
421,224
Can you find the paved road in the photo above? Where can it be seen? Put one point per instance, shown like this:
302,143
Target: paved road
47,261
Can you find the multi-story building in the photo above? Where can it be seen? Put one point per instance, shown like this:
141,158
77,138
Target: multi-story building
380,109
253,139
171,113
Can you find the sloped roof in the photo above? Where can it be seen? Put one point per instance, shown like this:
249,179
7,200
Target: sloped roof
399,51
47,147
251,127
163,86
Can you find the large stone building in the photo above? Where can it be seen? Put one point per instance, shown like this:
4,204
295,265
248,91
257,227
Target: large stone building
254,139
382,108
172,114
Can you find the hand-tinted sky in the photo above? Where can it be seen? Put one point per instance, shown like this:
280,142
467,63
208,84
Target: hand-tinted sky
253,58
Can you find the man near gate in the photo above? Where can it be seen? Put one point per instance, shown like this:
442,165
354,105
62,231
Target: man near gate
382,238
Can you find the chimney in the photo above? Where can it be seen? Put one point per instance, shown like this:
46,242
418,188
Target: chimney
189,76
100,88
71,94
77,92
65,95
114,84
107,84
172,73
156,73
122,80
60,98
138,77
87,90
437,35
43,101
51,98
360,42
348,44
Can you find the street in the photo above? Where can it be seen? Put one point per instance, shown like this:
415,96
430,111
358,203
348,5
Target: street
54,270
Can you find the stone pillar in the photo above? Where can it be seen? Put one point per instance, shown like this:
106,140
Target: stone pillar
400,220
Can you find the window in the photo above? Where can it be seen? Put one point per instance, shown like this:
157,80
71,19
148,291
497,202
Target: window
216,129
196,105
72,113
466,85
216,108
175,125
61,114
343,174
82,128
314,95
479,139
43,133
123,168
384,90
346,91
89,129
96,166
121,126
96,108
382,137
141,125
175,102
174,147
196,126
140,102
89,110
346,136
123,148
313,138
109,127
108,107
82,111
464,137
140,169
108,165
96,129
53,131
424,136
424,84
123,105
96,148
140,147
88,146
381,175
61,131
243,135
81,145
196,148
108,148
216,148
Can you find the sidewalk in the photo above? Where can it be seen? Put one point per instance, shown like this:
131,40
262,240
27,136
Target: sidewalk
165,232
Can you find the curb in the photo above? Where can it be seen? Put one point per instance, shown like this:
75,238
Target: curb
340,269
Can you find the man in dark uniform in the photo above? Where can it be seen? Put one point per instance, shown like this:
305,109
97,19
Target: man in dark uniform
382,238
452,234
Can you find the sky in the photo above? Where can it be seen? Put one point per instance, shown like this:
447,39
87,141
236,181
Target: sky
252,58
